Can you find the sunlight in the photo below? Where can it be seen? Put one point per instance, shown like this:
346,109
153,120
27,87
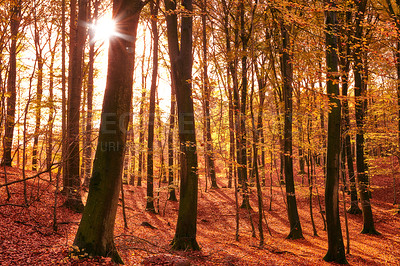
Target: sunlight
104,29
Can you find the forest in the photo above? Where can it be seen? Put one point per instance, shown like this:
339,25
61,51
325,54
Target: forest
199,132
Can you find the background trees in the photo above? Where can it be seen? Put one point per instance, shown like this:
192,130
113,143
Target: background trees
254,75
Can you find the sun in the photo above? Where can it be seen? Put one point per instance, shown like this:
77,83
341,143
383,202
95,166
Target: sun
104,29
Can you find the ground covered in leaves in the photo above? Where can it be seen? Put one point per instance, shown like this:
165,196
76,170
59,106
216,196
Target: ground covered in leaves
28,235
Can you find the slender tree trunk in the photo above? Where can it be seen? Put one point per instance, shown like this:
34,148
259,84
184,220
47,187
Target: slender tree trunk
95,235
243,108
232,147
396,18
63,96
209,152
39,92
256,171
50,120
361,103
287,74
345,65
231,76
171,166
141,136
11,83
73,186
152,110
87,149
38,111
336,252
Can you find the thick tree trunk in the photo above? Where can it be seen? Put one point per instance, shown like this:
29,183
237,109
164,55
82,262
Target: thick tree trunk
336,252
287,74
95,234
11,84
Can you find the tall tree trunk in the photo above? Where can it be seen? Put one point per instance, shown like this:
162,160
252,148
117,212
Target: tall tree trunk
11,83
73,186
396,18
181,66
171,167
38,111
50,120
232,78
152,110
95,235
141,136
87,149
39,92
345,52
232,147
336,252
360,92
287,74
255,169
209,152
242,147
63,95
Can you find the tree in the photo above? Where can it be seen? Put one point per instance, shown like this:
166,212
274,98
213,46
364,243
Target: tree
345,53
360,89
141,130
336,252
15,10
87,149
208,148
72,186
287,77
152,109
171,168
95,235
181,68
39,88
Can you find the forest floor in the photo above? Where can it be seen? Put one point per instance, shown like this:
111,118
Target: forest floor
27,236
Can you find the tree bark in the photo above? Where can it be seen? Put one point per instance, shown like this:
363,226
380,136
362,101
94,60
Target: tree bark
360,87
152,110
171,166
141,136
345,52
181,66
11,83
73,185
287,74
87,149
336,252
208,146
96,230
242,147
